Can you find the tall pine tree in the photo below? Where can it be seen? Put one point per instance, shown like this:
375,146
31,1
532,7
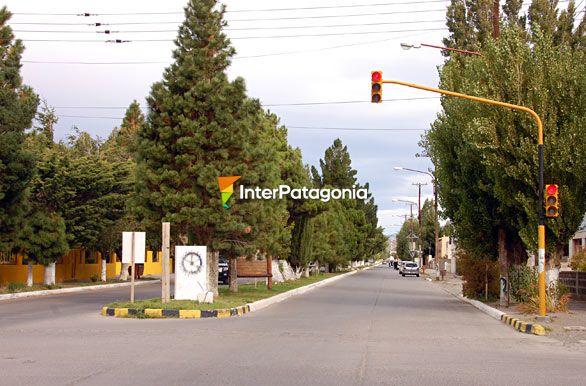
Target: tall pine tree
201,126
18,107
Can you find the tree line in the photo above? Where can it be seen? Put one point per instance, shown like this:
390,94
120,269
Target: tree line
163,166
485,157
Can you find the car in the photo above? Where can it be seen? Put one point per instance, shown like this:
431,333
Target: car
223,271
410,268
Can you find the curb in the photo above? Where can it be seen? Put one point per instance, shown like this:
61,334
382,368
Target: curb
519,325
223,313
174,313
88,288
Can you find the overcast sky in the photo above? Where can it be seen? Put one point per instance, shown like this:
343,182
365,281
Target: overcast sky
280,67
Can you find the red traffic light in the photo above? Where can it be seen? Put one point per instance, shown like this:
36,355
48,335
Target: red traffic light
377,76
552,189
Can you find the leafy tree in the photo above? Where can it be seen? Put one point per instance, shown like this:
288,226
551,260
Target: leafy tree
201,126
19,104
47,119
486,157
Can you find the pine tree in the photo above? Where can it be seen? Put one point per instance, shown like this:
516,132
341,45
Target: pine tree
201,126
19,104
122,144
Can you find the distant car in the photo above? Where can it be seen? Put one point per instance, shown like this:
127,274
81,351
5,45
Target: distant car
223,271
410,268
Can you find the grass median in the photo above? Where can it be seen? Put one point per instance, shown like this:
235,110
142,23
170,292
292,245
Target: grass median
247,293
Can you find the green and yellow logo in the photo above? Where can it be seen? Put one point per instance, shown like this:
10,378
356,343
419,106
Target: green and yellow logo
227,188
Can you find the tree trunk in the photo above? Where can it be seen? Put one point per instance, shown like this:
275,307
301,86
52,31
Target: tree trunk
49,278
124,272
306,272
104,270
29,276
213,258
233,275
503,268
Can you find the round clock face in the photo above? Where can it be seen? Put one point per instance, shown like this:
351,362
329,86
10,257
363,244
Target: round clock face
191,263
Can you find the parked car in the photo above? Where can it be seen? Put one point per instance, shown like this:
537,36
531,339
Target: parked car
410,268
223,271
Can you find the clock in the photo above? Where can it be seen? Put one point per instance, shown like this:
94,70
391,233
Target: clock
191,263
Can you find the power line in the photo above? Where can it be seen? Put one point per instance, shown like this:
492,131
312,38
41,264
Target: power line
235,38
264,105
288,127
88,14
242,29
241,20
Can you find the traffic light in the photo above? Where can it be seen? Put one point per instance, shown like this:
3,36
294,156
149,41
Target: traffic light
376,90
551,200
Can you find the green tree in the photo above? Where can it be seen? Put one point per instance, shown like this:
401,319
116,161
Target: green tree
19,104
122,143
201,126
485,157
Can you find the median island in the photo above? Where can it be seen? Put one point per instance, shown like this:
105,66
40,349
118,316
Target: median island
224,303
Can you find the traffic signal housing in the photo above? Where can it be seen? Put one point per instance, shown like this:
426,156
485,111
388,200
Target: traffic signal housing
376,87
551,200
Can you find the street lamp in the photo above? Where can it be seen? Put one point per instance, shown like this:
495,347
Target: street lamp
436,214
408,46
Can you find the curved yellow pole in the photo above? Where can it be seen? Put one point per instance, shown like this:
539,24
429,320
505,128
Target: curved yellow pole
541,226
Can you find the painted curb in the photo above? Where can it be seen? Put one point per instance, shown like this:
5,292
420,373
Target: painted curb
174,313
88,288
519,325
223,313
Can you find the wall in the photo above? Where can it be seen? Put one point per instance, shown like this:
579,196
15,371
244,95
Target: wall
73,266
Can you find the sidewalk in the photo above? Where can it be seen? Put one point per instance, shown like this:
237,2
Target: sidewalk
569,328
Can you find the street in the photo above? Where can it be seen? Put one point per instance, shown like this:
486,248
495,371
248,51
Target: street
371,328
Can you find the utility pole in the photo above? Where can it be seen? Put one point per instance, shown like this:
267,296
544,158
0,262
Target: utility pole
421,258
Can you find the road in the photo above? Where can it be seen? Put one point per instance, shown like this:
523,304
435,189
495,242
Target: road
371,328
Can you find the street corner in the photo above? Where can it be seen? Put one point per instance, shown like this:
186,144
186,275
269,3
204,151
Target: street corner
150,313
521,326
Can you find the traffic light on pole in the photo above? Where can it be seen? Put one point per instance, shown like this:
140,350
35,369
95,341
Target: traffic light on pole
551,200
376,88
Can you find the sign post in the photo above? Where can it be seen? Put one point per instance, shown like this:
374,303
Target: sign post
133,250
166,279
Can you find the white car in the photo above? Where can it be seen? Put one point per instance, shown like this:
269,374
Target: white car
409,268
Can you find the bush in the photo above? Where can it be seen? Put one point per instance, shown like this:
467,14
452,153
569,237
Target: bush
475,271
15,287
578,262
94,278
524,289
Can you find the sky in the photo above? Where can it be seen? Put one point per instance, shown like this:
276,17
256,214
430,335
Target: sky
307,61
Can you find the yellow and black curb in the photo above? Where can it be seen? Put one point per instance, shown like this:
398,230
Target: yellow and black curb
174,313
528,328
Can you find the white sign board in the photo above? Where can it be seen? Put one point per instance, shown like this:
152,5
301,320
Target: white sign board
139,247
191,272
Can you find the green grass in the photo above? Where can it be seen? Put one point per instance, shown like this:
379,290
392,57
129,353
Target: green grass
247,293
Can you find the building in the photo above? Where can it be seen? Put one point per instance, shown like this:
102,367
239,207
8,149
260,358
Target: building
578,241
447,250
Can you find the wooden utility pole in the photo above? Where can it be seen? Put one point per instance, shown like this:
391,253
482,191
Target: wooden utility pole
166,278
422,262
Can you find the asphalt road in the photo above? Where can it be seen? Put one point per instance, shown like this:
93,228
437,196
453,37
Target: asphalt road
371,328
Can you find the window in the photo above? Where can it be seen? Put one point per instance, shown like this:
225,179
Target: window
7,258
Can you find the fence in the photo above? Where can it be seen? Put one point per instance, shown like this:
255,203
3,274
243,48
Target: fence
576,283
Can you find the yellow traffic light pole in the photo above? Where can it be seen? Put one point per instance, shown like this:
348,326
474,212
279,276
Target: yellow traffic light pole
541,224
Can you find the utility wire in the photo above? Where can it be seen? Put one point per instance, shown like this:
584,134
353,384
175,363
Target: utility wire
243,20
264,105
242,29
236,38
88,14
